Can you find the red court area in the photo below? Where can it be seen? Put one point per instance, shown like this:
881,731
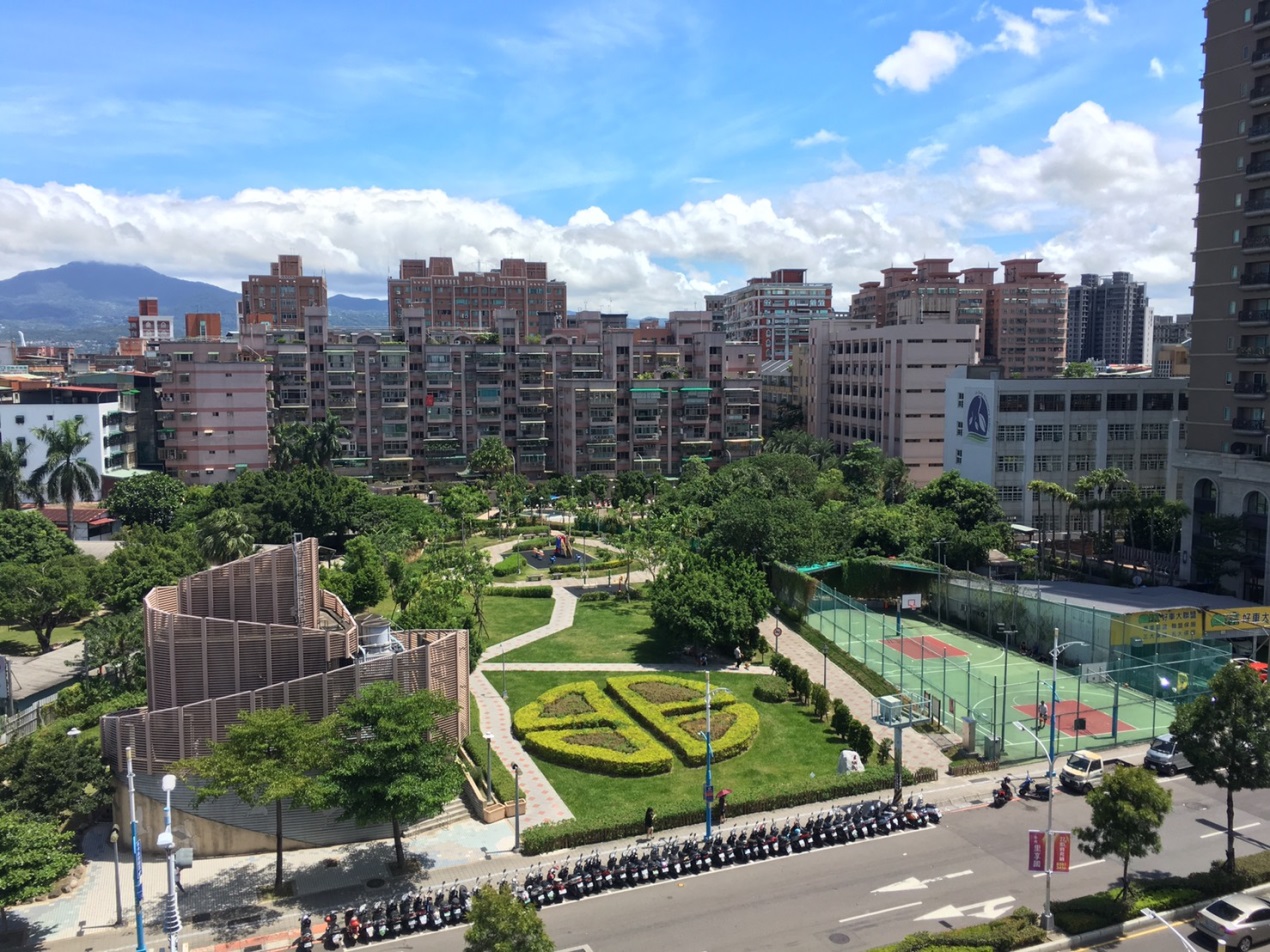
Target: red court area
923,646
1096,722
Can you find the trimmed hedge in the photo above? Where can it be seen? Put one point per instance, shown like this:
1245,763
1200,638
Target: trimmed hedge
603,713
510,565
538,542
1018,930
620,821
771,689
658,718
522,591
649,757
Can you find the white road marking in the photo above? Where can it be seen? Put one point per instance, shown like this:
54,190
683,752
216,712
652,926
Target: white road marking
880,912
1092,862
989,909
914,883
1246,826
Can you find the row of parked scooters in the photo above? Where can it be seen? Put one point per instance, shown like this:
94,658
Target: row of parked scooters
588,875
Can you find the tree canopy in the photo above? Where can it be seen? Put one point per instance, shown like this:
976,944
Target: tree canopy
1125,814
65,476
34,854
491,458
47,596
152,499
29,536
717,602
502,923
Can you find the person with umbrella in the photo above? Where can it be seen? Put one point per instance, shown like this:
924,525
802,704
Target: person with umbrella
721,806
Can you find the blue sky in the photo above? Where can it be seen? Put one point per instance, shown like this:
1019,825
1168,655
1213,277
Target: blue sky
650,152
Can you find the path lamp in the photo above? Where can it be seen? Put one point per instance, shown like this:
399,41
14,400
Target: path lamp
489,767
114,841
707,792
171,914
777,633
1186,943
516,800
824,677
136,853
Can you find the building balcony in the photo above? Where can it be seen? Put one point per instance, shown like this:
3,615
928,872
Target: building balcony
1255,279
601,452
1254,317
535,437
1259,132
1257,207
1252,355
646,463
1259,95
647,434
1256,243
1248,425
601,398
433,380
1250,389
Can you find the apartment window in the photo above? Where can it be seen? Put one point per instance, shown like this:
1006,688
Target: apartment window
1155,461
1121,461
1082,432
1048,433
1009,493
1049,403
1048,464
1155,431
1157,401
961,428
1080,463
961,401
958,457
1012,403
1120,431
1086,402
1011,433
1009,464
19,420
1121,402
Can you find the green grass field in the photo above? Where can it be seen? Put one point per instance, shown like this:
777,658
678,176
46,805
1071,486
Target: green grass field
16,642
507,617
615,631
791,745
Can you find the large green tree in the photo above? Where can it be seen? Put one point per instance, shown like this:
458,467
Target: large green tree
65,476
1125,814
463,503
971,503
44,597
13,481
390,762
146,557
491,458
361,580
34,854
152,499
268,758
718,602
29,536
1225,734
502,923
116,643
225,535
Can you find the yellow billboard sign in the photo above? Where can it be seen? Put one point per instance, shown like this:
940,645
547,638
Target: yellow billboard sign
1185,624
1239,619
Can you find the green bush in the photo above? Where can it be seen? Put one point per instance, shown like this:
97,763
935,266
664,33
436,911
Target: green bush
603,712
537,542
522,591
658,718
1016,931
510,565
771,689
863,675
781,666
596,596
819,701
648,758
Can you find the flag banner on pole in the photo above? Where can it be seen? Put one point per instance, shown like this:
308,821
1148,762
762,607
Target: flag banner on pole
1036,851
1062,852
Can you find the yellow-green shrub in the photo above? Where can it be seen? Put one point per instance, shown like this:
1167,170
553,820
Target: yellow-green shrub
603,713
647,759
664,719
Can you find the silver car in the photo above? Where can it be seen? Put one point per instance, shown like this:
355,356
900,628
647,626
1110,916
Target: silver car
1239,920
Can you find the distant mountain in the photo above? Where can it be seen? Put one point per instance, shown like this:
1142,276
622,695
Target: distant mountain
88,302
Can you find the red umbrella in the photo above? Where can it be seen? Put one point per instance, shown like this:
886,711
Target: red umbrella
725,793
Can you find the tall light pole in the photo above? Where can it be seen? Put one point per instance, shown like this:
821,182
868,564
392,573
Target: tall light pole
114,841
171,914
707,792
136,856
1047,917
489,767
516,800
824,677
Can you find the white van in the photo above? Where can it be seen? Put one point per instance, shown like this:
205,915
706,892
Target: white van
1082,772
1165,757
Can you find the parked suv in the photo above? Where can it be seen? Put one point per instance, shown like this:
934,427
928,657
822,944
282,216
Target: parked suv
1165,757
1082,772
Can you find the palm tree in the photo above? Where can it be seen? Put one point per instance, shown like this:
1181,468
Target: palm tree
289,444
224,536
1040,487
325,440
1099,486
65,476
13,482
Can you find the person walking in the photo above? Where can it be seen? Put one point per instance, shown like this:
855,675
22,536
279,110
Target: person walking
649,818
1042,714
736,653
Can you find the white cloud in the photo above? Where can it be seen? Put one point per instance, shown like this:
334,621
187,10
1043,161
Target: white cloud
703,180
925,59
1049,16
1016,33
1102,17
823,137
1155,69
1098,195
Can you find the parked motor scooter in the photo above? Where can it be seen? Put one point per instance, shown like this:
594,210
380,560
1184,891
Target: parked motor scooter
1030,788
1003,794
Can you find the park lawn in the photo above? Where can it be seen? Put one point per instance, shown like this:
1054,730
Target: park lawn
506,617
790,745
615,631
14,641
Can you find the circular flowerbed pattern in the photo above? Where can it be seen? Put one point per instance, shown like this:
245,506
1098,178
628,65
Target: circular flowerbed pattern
632,726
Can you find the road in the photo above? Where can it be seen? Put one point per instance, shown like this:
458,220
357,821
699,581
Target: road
967,870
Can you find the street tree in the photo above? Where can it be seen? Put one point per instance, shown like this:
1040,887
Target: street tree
1225,734
717,603
325,441
65,476
224,536
391,763
972,503
463,503
13,481
269,757
502,923
116,643
633,486
152,499
44,597
510,492
491,458
34,854
842,719
1125,814
146,557
59,776
29,536
693,470
798,441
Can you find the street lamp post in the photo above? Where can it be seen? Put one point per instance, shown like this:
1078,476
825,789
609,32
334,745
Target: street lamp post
114,842
171,914
516,800
824,677
489,767
707,792
776,632
136,854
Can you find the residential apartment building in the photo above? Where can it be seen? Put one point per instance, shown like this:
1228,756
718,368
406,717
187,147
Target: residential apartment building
106,414
775,312
1110,320
214,408
281,296
468,300
1007,432
781,404
1225,468
1171,328
146,327
1022,319
886,385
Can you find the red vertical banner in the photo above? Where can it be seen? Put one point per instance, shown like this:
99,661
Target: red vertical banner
1062,852
1036,851
429,400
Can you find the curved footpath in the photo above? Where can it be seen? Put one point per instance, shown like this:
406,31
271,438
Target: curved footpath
220,908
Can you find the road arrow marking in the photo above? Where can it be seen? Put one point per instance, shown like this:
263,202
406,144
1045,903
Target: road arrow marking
914,883
990,909
1092,862
880,912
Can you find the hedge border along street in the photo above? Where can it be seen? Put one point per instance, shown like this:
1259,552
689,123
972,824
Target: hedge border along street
658,717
